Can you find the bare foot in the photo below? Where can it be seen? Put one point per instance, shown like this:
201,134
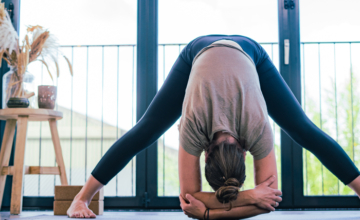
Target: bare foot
79,209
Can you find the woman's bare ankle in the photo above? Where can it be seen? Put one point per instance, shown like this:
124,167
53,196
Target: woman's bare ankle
82,198
355,186
91,187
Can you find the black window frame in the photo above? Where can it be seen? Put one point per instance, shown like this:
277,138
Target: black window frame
146,162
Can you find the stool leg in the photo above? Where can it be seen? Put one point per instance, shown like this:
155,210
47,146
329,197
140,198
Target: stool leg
6,146
17,185
58,152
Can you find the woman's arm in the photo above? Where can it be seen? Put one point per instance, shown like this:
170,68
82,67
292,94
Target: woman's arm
237,212
196,209
190,183
262,195
209,199
265,168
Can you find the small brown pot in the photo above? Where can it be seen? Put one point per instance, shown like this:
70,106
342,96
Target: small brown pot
47,96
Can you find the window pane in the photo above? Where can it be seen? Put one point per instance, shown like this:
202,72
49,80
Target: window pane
330,82
98,102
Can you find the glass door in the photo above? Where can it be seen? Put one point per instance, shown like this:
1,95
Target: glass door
330,77
98,102
322,73
180,22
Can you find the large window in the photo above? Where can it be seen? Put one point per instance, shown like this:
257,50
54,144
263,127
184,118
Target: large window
111,45
98,102
330,84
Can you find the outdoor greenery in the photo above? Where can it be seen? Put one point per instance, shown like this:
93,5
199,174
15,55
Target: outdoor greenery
339,121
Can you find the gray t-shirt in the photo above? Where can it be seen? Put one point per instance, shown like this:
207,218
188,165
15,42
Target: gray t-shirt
223,94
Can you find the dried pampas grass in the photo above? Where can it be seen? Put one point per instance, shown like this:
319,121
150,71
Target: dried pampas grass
70,66
50,46
2,11
45,46
47,67
9,41
38,45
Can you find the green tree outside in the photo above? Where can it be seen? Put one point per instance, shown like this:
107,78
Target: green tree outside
343,109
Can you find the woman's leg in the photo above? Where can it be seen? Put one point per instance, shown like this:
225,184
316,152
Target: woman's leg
162,113
79,206
285,110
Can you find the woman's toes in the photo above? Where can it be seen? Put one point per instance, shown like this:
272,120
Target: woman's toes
83,214
86,214
92,215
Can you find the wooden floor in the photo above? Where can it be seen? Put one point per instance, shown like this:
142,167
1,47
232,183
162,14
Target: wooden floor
126,215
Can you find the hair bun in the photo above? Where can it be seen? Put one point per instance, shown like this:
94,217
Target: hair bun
232,182
229,191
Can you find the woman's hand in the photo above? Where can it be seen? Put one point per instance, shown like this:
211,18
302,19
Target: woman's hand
194,209
266,197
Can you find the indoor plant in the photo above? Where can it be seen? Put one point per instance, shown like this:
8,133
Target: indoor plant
38,45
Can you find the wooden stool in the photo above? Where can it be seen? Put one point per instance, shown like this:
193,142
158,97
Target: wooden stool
22,116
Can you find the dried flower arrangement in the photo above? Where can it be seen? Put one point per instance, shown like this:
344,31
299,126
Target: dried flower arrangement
38,45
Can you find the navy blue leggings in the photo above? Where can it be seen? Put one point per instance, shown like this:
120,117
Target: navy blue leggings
283,108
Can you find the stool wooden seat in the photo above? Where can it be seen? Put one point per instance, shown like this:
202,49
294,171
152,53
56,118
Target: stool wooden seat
21,116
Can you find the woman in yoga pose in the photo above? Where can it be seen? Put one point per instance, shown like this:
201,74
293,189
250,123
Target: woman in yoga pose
224,87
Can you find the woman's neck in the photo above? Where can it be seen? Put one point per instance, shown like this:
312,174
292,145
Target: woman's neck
222,136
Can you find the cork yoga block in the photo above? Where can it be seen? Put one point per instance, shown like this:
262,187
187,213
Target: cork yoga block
60,207
64,196
67,193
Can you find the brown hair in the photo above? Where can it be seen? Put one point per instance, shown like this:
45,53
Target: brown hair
225,170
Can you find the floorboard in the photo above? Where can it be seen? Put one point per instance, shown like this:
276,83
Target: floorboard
126,215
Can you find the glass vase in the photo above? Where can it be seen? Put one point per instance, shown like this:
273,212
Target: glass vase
25,86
